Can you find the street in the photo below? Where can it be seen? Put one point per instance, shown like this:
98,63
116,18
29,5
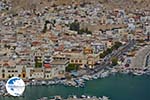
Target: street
118,54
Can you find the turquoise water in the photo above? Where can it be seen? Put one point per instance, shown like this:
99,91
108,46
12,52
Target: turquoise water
118,87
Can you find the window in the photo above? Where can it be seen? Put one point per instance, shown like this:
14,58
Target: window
24,75
9,76
3,70
19,75
60,72
3,75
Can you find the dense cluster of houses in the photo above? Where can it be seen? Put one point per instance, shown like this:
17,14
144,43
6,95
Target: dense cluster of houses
28,52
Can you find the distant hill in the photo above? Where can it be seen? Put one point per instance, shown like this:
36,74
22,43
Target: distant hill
109,4
128,4
28,4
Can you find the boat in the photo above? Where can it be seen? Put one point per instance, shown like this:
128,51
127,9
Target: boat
83,96
72,96
104,74
27,83
105,98
88,97
58,98
113,71
95,77
138,73
148,73
85,77
43,83
82,85
43,98
125,71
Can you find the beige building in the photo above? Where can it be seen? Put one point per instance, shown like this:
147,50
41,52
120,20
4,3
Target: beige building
37,73
7,71
85,57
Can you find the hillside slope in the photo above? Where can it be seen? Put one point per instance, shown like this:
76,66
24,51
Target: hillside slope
125,4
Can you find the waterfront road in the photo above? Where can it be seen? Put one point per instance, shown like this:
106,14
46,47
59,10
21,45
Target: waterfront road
118,53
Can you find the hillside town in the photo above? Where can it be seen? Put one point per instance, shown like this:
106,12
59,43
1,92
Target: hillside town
64,40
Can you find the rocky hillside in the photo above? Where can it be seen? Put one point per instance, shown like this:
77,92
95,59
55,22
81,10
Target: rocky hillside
127,4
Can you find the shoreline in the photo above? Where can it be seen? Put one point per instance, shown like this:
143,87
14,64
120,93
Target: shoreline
117,74
147,58
74,97
80,81
99,88
147,55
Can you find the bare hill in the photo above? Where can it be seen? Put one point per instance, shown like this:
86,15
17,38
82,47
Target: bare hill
127,4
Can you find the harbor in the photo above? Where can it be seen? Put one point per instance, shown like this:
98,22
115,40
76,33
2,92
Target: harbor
74,97
74,50
136,87
82,81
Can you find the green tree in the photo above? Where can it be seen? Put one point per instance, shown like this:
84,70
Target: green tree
109,50
45,28
72,67
68,76
114,61
87,31
75,26
38,65
102,55
81,31
117,45
140,41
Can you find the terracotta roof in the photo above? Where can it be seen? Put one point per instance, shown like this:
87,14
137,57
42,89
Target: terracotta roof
47,66
6,64
35,43
90,56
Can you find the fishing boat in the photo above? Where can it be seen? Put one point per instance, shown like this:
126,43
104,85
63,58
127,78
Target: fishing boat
138,73
105,98
104,74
